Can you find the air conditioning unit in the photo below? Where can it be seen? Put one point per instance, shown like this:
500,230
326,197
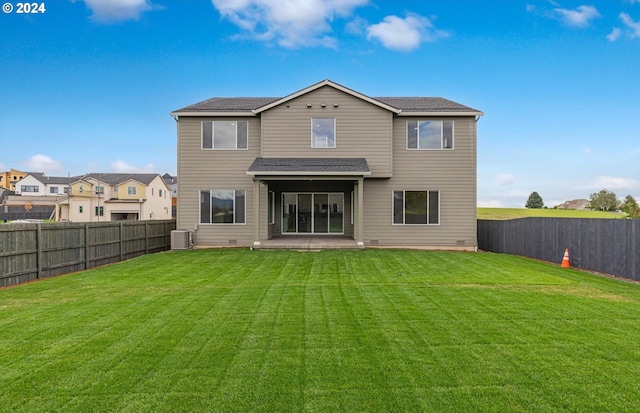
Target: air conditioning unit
181,239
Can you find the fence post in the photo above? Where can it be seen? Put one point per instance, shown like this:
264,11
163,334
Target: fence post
86,245
165,235
38,250
121,240
146,237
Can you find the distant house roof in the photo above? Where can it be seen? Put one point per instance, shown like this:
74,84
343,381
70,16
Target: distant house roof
170,179
118,178
309,166
575,204
52,180
255,105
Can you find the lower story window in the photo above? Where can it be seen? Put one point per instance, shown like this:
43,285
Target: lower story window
222,206
99,211
416,207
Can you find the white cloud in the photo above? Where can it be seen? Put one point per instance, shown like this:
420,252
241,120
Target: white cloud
289,23
2,168
504,179
615,33
635,152
357,26
115,10
123,167
580,17
531,8
405,34
42,163
587,150
633,1
518,193
633,25
612,183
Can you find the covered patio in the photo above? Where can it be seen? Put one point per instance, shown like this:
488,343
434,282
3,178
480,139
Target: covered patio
309,203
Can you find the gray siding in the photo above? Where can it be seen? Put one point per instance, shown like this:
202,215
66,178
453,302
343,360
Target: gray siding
452,172
362,129
214,169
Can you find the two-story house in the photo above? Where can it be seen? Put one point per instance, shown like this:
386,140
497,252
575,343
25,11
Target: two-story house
328,160
99,197
38,184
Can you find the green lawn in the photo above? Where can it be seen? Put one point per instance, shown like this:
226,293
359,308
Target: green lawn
512,213
373,330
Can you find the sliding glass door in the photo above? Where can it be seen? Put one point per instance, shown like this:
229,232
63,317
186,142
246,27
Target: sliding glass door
312,213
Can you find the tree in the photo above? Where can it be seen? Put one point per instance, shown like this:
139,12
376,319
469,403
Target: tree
534,201
630,206
604,200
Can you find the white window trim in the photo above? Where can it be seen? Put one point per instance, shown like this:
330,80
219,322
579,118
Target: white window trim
213,137
234,207
442,148
334,134
403,198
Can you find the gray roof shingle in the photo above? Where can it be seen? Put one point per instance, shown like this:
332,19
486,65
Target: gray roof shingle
406,104
310,165
118,178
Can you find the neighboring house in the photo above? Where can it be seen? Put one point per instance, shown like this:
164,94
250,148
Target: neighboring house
172,183
327,160
38,184
8,179
581,204
115,197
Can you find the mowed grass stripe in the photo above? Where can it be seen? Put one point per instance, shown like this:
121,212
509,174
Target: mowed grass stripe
373,330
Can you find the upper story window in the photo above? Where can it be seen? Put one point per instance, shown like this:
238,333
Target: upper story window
131,190
225,135
53,189
430,134
323,132
99,189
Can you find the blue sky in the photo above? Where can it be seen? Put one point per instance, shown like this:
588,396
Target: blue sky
87,86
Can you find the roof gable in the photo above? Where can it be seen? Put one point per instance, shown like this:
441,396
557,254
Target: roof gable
318,85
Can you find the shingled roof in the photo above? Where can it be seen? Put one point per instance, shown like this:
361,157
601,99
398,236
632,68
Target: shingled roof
293,166
118,178
254,104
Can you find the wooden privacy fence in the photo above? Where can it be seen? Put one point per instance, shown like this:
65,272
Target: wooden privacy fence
610,246
32,251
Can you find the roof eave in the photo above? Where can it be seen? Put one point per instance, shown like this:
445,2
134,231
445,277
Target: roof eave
212,113
309,173
442,113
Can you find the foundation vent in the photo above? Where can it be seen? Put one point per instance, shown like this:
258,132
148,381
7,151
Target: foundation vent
233,242
460,242
374,242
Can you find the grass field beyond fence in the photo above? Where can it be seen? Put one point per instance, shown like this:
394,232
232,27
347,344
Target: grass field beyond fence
513,213
373,330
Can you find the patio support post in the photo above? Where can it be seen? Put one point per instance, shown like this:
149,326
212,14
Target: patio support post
256,212
359,230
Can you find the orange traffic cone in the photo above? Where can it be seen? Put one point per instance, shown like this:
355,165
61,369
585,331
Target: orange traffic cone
565,259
